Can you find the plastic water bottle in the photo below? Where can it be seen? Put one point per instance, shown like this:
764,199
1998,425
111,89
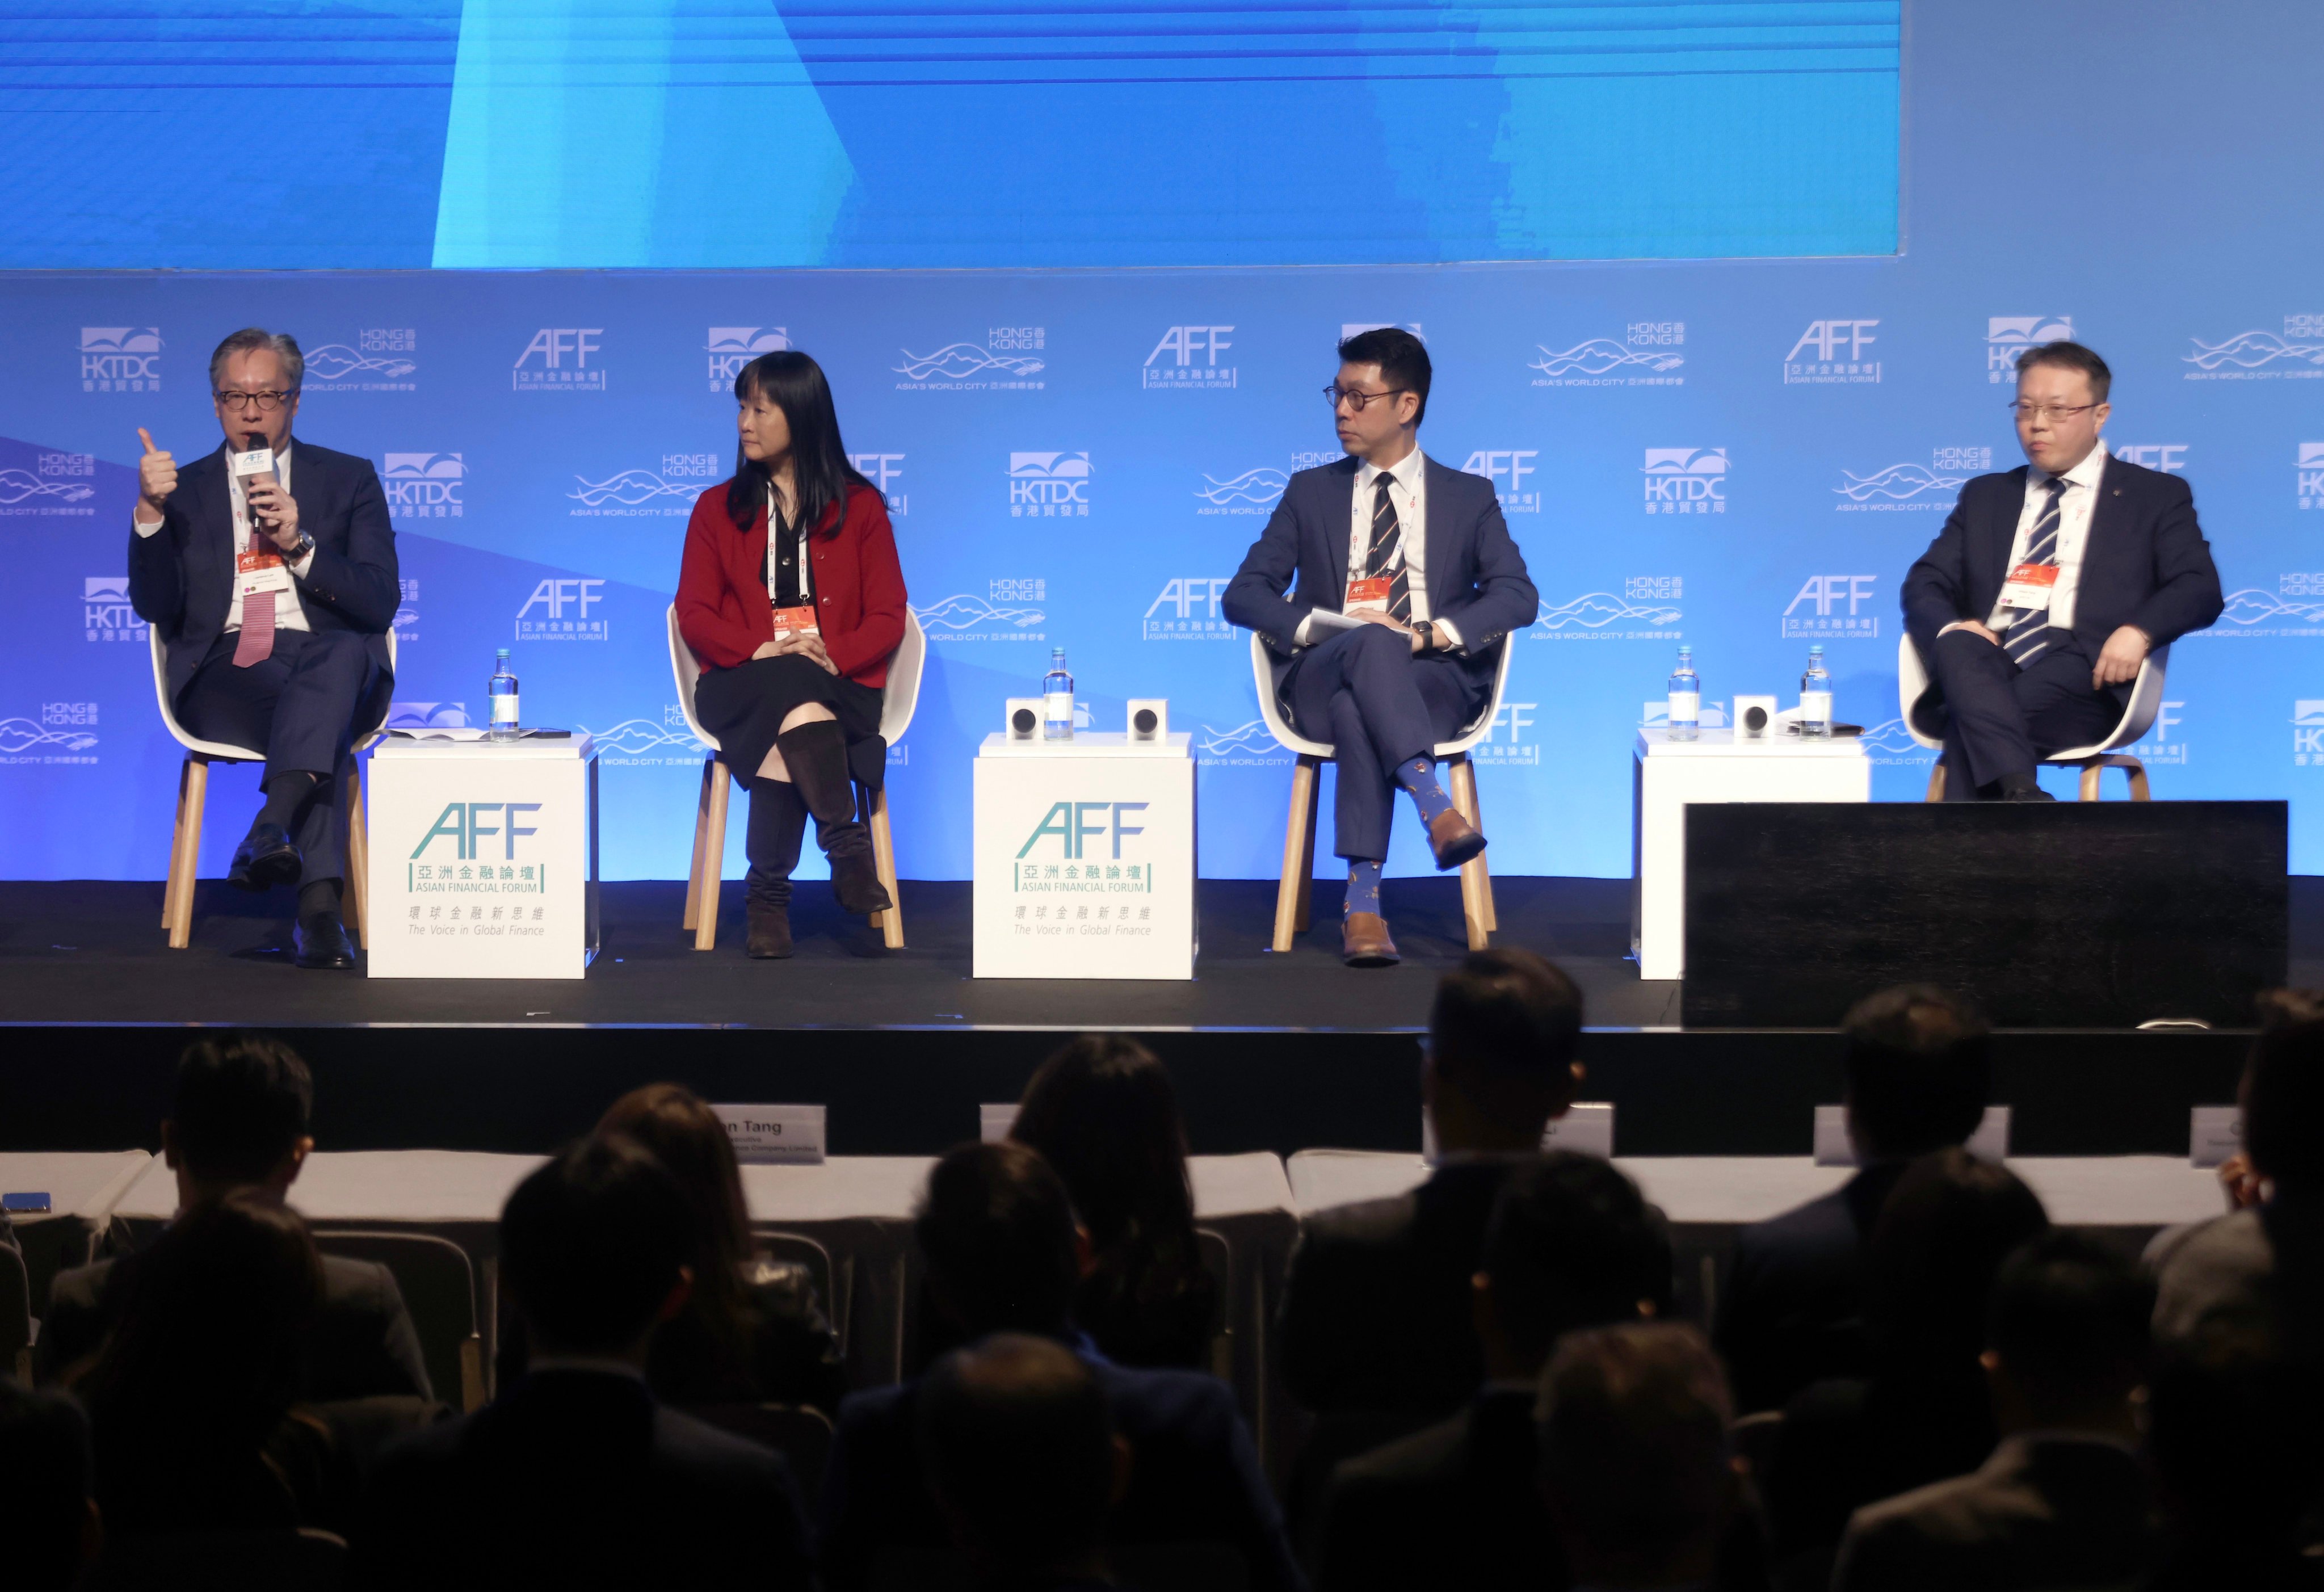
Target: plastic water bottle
501,689
1057,699
1815,697
1685,699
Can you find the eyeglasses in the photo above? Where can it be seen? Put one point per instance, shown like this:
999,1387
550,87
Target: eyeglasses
267,402
2054,412
1357,401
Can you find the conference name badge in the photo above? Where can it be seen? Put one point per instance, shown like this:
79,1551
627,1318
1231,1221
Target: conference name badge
259,568
2029,586
796,621
1367,594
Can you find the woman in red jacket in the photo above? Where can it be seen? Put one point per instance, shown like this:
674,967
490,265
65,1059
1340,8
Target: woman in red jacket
794,629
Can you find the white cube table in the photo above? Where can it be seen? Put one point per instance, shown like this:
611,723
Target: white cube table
1084,858
482,858
1668,775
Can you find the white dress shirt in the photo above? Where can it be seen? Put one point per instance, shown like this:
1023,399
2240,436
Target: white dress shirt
1408,491
2074,512
288,614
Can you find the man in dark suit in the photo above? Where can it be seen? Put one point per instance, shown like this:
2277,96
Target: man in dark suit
576,1476
1572,1245
1003,1253
1408,584
272,583
239,1121
1919,1064
2049,585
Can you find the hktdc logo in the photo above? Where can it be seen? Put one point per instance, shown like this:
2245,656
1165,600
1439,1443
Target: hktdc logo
559,611
105,613
2296,353
1834,355
2311,474
1645,355
1507,469
423,486
1192,360
563,361
1006,361
1048,486
120,359
1188,610
1910,486
1825,619
883,470
2008,336
379,360
2307,733
730,348
1685,480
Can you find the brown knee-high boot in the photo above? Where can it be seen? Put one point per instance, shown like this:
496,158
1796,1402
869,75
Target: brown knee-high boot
816,756
778,822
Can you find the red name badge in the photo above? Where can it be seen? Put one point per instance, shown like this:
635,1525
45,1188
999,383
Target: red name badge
254,558
796,621
1368,592
2029,586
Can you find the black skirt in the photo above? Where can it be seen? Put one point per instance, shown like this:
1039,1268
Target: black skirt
745,706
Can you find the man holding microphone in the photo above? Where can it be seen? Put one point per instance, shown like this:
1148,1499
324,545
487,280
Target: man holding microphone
272,592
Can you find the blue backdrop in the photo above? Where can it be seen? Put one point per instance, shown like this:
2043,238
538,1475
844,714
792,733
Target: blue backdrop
1741,454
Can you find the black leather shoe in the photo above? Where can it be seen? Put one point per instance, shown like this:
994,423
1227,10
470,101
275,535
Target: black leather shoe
321,940
2030,793
265,859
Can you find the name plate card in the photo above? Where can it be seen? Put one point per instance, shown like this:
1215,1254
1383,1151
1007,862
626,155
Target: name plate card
993,1122
1990,1142
2214,1133
1587,1128
778,1136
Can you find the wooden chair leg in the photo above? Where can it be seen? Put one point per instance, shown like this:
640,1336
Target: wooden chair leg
890,923
2089,791
358,879
701,828
1307,867
1299,841
1476,885
177,827
714,862
1936,782
185,851
2136,771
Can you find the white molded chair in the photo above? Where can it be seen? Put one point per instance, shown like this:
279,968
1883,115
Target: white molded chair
2137,718
193,790
901,696
1291,899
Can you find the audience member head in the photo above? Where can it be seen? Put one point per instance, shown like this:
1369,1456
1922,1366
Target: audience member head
1943,1233
997,1232
1018,1448
1634,1459
2284,1092
686,1136
1919,1064
239,1118
2231,1430
48,1522
1571,1244
1103,1114
597,1250
1501,1042
2067,1337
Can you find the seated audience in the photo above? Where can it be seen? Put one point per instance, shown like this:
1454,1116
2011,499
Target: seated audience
1020,1452
578,1476
753,1330
1103,1113
1919,1065
1003,1253
1635,1465
2063,1501
1571,1244
239,1123
190,1398
50,1524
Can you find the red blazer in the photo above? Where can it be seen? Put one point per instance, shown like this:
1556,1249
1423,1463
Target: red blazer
858,585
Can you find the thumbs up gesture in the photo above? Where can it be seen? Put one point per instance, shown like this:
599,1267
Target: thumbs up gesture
157,478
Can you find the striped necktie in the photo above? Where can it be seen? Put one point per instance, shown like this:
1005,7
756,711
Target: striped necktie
2029,633
1386,552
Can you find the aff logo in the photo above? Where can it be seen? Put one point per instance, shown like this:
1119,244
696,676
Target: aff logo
106,612
1188,610
1047,486
2257,355
883,470
2308,733
1835,355
562,604
1643,357
2310,473
1193,359
423,486
2008,336
2158,746
1517,750
1074,827
730,348
1824,621
379,360
2170,457
1685,480
463,824
1507,468
564,355
120,359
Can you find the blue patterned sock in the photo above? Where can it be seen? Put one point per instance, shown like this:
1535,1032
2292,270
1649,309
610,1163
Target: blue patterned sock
1364,887
1418,776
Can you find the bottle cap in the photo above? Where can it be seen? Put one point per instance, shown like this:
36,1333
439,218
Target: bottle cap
500,652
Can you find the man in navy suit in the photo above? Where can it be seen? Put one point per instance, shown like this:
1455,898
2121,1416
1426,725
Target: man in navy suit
2049,585
1408,583
272,589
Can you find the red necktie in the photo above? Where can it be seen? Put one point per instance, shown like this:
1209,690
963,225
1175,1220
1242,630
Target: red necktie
257,642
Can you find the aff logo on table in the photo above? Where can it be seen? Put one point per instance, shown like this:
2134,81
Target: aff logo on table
667,493
1506,744
2294,354
58,485
2008,336
1188,610
1834,608
106,612
1187,357
730,348
1913,487
1007,360
1647,610
883,470
1833,354
559,610
1507,468
1011,609
1253,492
464,825
561,359
2170,457
1685,480
423,486
379,360
1076,825
1049,485
65,733
1645,355
120,359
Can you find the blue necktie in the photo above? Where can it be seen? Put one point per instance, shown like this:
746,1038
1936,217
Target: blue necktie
1387,540
2029,633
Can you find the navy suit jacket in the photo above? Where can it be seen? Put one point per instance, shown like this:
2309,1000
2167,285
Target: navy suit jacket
1476,579
181,577
1792,1312
2144,562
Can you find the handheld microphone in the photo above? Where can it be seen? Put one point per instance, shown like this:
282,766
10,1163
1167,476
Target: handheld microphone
256,459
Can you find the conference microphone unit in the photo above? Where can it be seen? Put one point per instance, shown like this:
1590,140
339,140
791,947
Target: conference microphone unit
255,460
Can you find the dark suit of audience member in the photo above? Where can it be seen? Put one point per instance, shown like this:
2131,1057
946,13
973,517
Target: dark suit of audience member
998,1235
578,1476
50,1524
1919,1067
2063,1501
1571,1244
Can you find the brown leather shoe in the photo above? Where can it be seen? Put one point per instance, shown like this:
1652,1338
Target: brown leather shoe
1453,839
1364,941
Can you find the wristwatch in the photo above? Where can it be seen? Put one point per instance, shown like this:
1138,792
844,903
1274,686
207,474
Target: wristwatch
1428,641
306,545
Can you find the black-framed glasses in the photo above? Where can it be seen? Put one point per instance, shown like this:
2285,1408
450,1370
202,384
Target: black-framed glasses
267,402
2056,412
1335,392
